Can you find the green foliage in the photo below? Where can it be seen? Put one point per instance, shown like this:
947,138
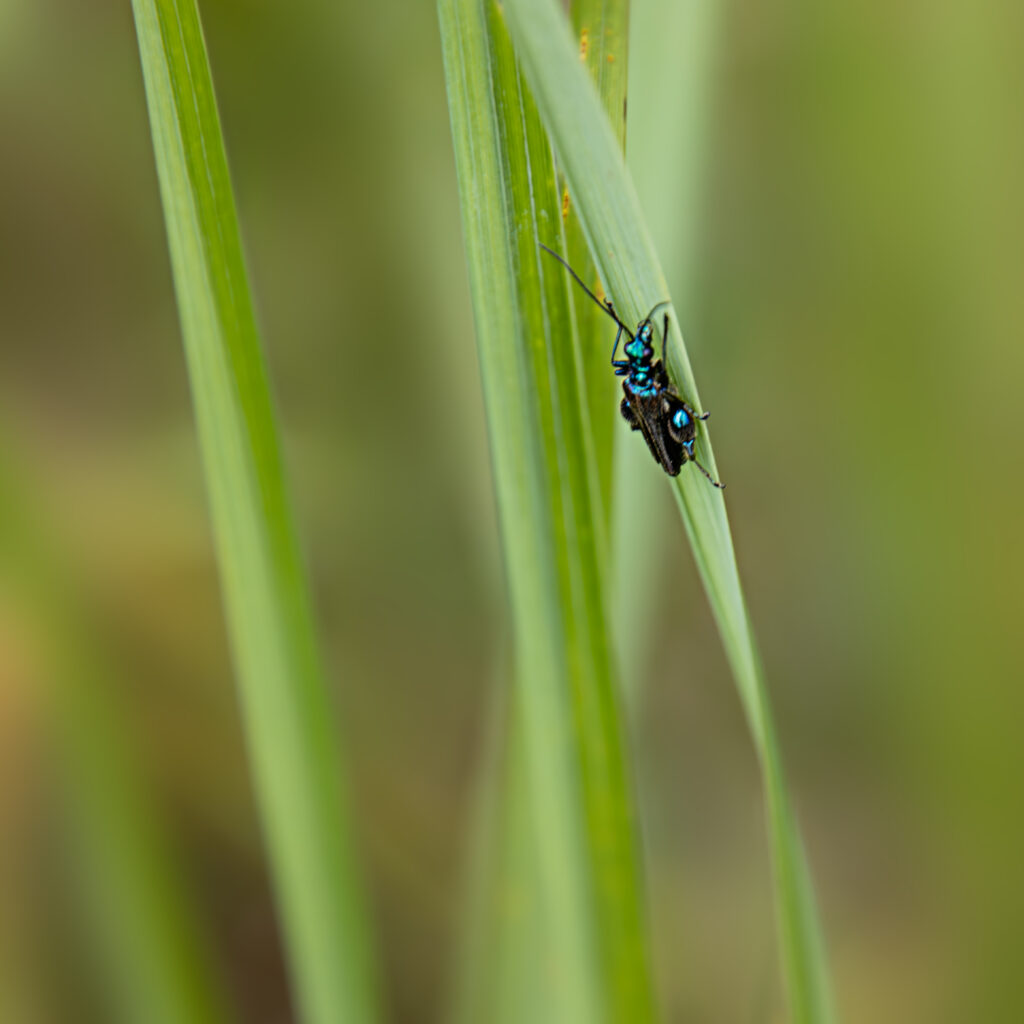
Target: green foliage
569,818
578,810
601,29
608,208
288,716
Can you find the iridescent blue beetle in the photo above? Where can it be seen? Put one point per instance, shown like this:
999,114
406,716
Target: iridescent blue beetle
651,403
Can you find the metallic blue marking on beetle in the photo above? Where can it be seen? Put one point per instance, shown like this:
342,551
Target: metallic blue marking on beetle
681,419
637,351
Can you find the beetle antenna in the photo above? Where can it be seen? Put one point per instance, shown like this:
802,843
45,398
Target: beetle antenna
604,305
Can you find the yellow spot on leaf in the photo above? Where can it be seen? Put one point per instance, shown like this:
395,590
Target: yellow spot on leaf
565,204
610,58
584,43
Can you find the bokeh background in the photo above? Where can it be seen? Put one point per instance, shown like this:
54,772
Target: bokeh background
854,272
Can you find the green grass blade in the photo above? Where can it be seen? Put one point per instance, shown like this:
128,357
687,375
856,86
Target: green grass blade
668,160
607,206
149,949
550,509
288,717
601,31
503,976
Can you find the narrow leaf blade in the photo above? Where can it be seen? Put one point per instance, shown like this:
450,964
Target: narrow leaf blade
569,725
608,208
288,717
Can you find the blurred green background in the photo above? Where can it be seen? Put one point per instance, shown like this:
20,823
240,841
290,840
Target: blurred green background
855,283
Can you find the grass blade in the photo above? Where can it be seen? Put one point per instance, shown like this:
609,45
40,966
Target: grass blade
676,75
601,29
608,208
552,532
288,717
